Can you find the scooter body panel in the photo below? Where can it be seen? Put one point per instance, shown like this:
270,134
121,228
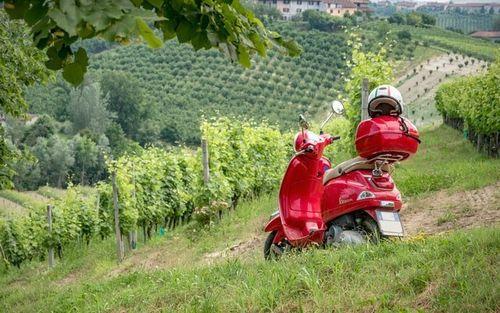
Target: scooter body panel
343,195
301,191
300,200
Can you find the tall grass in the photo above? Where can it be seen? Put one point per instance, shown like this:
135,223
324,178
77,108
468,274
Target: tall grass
452,273
445,160
26,200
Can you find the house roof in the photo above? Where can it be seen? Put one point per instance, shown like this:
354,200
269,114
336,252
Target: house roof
486,34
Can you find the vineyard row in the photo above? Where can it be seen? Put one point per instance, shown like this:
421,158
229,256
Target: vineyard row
156,188
472,104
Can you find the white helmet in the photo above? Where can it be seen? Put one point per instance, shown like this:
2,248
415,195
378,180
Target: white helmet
385,100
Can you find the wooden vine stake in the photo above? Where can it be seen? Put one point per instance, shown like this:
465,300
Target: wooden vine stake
132,235
51,248
119,241
206,169
206,166
364,98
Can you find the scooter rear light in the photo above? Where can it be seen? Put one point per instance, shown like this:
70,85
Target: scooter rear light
383,182
365,195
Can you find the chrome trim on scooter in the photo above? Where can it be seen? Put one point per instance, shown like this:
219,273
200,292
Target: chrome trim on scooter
274,214
387,204
365,195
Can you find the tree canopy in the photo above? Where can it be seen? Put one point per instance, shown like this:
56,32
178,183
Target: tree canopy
226,25
20,65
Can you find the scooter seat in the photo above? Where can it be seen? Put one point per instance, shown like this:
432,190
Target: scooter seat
357,163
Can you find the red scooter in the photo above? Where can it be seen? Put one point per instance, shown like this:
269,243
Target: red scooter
352,203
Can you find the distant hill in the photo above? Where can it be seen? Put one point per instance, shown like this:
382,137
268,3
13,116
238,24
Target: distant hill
185,84
182,85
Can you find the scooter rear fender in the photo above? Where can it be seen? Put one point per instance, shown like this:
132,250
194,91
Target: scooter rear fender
343,196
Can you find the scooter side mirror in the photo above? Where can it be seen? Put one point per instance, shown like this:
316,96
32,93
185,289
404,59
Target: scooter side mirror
303,122
337,107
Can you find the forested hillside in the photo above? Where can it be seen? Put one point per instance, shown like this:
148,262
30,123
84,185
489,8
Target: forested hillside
182,85
136,96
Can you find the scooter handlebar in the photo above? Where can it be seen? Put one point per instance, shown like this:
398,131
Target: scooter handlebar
331,139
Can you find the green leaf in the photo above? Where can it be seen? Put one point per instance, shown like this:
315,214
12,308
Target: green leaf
156,3
244,57
54,62
36,12
168,29
200,40
137,3
258,44
74,73
81,57
16,9
86,32
184,31
68,21
147,34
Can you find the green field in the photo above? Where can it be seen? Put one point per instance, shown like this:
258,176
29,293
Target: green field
465,23
446,40
181,85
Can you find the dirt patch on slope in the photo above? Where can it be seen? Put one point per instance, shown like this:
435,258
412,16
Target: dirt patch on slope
446,210
238,249
69,279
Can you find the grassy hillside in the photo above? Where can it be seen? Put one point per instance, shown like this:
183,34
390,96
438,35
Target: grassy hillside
445,161
443,39
15,203
420,82
453,273
221,269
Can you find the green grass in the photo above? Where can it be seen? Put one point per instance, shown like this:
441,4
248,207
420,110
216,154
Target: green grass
51,192
445,160
446,40
25,199
452,273
447,217
10,209
421,54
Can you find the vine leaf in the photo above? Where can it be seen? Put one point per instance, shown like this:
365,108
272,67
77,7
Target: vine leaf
147,34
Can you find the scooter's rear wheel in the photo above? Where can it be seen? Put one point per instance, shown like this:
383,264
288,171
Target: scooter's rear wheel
268,254
273,251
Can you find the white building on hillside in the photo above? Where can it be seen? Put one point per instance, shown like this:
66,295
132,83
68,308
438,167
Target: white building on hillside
291,8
